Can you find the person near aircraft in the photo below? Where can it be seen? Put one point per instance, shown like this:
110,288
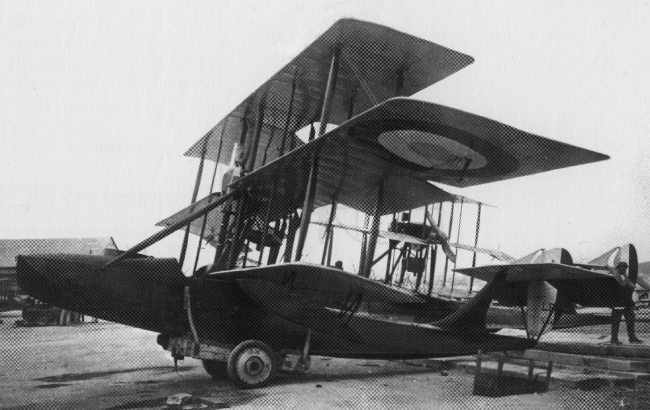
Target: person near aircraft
338,265
628,310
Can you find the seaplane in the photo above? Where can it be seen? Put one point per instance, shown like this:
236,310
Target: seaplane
371,149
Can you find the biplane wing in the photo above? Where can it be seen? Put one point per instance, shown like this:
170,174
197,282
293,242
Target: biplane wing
583,286
376,63
535,272
392,151
395,149
212,222
502,256
402,237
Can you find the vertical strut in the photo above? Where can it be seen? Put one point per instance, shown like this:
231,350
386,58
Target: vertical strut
195,193
329,92
307,207
460,221
374,232
364,243
329,235
391,249
294,223
240,228
287,123
434,254
478,227
313,172
205,217
451,221
252,151
266,224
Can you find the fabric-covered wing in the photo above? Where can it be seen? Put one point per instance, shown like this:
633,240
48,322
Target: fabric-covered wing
213,221
400,145
376,63
585,287
457,148
502,256
535,272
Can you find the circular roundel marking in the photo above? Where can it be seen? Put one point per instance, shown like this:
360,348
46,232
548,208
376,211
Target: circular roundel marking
430,150
453,150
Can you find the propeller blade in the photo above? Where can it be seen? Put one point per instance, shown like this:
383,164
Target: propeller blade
439,233
447,249
402,237
440,237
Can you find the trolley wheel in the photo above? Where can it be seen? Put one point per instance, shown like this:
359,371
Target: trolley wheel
252,364
218,370
64,317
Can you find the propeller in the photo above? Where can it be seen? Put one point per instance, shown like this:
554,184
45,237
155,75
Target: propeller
438,236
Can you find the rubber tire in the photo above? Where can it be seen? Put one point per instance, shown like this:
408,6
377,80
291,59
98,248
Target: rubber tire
218,370
64,318
250,354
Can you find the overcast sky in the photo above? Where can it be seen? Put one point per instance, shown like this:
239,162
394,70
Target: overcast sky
99,100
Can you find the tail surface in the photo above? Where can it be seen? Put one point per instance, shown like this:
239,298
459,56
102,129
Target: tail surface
472,315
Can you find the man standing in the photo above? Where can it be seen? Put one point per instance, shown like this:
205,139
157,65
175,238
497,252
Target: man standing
628,311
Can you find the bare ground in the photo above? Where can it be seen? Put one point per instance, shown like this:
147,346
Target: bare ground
110,366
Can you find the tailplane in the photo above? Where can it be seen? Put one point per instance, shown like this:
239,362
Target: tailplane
472,315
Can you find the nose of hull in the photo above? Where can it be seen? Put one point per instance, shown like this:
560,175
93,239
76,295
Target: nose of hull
137,292
40,277
28,277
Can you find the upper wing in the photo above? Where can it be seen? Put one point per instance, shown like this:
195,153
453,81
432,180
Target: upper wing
398,146
376,63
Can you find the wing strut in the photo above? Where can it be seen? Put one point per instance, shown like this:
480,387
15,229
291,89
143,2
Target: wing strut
434,254
451,222
329,236
197,184
311,184
460,220
169,230
478,227
374,233
205,217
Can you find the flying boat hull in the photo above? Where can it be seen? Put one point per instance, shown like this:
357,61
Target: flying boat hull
350,316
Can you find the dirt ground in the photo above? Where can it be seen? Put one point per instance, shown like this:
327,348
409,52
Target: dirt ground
110,366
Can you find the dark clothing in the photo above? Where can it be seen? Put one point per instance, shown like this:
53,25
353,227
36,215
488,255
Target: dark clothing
627,288
628,312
